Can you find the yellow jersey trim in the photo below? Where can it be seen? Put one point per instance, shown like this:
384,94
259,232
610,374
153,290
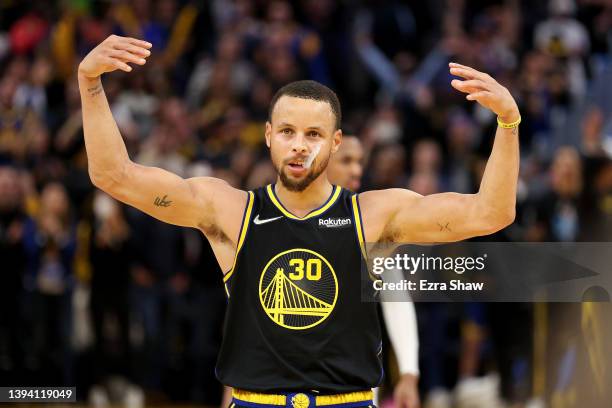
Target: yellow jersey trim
344,398
358,225
243,231
257,398
321,210
361,234
320,400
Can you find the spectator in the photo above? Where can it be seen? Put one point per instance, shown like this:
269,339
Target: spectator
50,240
14,259
110,257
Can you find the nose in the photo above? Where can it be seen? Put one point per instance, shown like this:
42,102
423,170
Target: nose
299,143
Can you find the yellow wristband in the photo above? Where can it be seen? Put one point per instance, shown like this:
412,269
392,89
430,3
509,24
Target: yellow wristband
509,125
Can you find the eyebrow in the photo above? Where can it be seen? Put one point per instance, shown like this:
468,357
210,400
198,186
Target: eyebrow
285,124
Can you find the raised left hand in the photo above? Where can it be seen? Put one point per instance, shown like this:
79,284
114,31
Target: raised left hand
485,90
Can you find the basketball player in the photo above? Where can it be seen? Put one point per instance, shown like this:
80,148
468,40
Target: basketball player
297,332
345,169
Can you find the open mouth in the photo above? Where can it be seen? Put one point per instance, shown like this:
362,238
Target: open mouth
296,165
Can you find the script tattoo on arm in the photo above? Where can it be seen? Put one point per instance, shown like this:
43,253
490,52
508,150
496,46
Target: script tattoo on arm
96,90
162,202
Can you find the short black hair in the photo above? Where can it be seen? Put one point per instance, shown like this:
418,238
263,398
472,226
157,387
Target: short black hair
308,89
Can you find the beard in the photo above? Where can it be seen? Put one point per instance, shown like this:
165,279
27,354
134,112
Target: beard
301,184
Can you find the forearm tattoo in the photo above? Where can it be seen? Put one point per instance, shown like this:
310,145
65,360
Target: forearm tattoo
444,227
96,90
162,202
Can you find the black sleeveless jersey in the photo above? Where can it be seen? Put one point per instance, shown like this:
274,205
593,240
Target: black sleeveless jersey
295,318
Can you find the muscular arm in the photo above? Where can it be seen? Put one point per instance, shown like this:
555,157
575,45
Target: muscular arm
399,215
205,203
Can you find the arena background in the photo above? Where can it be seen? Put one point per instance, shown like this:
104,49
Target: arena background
103,297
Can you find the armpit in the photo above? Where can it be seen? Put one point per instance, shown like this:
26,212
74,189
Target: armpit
213,232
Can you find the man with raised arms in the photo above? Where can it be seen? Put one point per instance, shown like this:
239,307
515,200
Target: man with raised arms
296,331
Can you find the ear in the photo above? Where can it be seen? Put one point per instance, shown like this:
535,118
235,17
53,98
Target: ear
268,133
336,140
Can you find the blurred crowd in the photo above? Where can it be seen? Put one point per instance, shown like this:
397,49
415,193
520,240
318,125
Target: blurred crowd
92,291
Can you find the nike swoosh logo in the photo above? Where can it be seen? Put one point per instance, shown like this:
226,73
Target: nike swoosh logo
257,221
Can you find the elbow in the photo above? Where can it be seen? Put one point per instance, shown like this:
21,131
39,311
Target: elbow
102,182
507,217
494,215
106,180
499,219
96,179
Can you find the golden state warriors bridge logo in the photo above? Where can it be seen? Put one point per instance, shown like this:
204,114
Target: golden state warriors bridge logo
298,289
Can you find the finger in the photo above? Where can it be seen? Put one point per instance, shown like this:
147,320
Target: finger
469,86
468,73
140,43
457,65
120,65
134,49
465,67
479,96
126,56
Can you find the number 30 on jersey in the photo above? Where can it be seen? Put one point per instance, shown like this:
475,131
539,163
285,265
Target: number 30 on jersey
313,269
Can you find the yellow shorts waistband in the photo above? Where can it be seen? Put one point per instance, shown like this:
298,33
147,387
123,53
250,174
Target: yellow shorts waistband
320,400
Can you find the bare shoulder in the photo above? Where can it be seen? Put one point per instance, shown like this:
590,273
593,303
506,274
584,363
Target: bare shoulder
378,207
223,191
381,198
386,201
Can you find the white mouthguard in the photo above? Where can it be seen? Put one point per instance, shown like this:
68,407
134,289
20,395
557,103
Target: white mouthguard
312,156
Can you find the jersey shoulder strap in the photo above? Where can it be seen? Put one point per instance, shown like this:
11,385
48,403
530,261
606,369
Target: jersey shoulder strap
244,227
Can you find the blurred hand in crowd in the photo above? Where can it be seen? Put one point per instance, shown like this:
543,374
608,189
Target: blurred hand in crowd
179,283
142,276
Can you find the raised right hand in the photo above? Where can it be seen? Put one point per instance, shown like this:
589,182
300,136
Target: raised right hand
114,53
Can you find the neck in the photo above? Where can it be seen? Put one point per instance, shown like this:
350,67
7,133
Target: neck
300,203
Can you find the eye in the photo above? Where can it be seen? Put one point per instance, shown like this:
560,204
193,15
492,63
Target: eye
286,131
313,133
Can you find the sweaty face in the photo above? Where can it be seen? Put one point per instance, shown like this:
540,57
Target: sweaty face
302,133
346,166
